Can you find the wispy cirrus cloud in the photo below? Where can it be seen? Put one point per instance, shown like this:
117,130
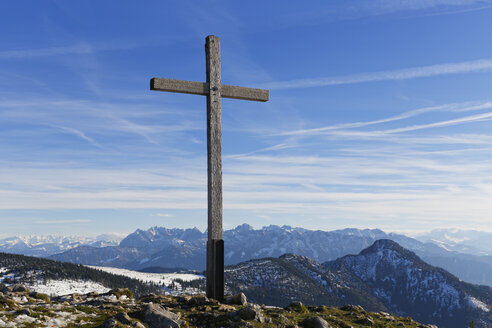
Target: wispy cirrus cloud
62,221
461,120
79,134
79,48
333,11
388,132
480,65
389,6
453,107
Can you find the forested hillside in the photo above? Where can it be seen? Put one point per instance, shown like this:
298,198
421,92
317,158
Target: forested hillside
27,270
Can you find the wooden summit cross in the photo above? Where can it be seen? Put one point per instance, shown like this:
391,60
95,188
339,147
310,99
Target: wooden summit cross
214,90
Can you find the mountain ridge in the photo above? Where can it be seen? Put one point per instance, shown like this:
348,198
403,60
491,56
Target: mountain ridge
383,277
185,248
46,245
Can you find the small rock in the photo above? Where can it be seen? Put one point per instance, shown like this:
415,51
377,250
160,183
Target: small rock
320,308
183,298
198,300
19,288
297,307
75,296
366,321
226,308
120,292
137,324
241,324
251,312
24,311
239,299
124,318
93,302
283,320
315,322
109,323
157,317
356,308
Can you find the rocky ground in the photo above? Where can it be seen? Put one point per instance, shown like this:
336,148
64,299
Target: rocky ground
118,308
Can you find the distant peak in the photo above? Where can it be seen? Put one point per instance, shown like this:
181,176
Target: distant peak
244,227
382,244
291,256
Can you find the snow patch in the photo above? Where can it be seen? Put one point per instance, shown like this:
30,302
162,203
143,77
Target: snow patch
475,303
67,287
158,278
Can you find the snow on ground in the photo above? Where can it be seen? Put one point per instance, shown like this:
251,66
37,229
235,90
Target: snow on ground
60,287
158,278
66,287
4,276
477,304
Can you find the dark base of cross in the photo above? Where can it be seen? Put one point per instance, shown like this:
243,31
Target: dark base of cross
215,269
214,91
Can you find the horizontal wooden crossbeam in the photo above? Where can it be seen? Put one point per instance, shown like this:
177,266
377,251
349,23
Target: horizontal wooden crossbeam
201,88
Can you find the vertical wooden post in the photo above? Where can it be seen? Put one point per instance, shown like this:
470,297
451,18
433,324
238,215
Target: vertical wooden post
215,244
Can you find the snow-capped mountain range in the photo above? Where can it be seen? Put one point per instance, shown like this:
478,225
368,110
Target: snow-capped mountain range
463,241
44,246
383,277
185,248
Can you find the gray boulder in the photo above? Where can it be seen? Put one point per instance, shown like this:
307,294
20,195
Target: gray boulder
19,288
239,299
198,300
157,317
137,324
315,322
25,311
109,323
124,318
251,312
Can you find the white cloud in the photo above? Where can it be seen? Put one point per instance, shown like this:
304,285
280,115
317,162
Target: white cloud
461,120
165,215
79,134
62,221
480,65
80,48
386,6
344,130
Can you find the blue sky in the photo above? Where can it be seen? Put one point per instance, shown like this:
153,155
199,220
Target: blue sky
379,115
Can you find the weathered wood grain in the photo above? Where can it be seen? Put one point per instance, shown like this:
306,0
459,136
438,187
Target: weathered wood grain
215,287
234,92
200,88
214,138
179,86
